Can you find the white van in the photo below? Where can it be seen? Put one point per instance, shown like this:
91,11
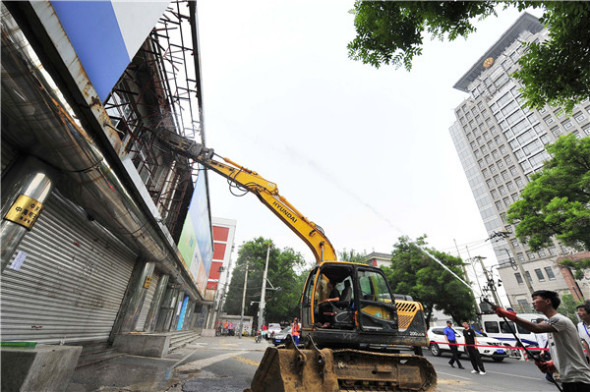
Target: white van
495,327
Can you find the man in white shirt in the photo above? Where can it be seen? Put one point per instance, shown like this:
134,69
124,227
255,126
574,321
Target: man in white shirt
584,327
564,343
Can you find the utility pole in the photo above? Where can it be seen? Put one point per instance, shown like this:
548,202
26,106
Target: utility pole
243,300
477,309
490,281
506,235
474,271
462,264
263,290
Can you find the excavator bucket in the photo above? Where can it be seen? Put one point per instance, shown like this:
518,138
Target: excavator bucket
292,369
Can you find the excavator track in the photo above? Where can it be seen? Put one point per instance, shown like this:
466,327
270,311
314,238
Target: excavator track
289,369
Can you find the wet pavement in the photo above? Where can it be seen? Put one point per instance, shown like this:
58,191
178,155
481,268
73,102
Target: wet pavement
182,370
227,364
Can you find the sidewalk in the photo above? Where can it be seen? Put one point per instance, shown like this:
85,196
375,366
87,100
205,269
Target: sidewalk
145,374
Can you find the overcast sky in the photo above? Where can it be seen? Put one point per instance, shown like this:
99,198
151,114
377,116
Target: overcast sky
365,153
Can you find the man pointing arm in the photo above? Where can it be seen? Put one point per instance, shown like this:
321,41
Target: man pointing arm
564,343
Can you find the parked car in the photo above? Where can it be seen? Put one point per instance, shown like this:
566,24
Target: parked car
273,329
439,344
281,336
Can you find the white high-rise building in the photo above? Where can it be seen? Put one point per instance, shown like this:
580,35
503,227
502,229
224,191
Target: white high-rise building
500,144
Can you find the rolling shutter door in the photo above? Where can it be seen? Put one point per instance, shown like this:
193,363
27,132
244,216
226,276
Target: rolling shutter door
71,284
147,303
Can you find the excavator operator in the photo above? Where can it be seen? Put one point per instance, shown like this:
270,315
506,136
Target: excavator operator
326,313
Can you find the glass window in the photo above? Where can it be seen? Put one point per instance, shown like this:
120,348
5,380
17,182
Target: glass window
518,277
505,174
519,183
580,117
491,327
510,328
528,276
567,124
548,119
500,164
542,253
497,179
549,273
506,202
510,186
376,310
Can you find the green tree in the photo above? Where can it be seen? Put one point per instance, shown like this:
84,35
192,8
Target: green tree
282,304
553,72
414,273
352,256
557,200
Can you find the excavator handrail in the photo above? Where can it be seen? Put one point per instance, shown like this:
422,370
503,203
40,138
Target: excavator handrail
266,191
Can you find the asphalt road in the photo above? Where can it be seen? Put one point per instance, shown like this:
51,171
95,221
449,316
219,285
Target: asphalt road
228,364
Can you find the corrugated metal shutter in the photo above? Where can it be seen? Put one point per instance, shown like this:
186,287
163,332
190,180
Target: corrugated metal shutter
71,284
147,303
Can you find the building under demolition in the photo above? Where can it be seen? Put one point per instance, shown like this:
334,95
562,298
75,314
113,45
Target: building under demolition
98,239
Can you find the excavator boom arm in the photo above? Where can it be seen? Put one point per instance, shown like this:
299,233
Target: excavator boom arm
266,191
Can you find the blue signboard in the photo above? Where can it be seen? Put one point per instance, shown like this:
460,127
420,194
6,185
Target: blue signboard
107,34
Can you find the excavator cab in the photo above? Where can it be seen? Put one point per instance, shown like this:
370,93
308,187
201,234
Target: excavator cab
364,316
350,351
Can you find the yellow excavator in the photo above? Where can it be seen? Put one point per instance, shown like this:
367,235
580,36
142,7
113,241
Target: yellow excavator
349,344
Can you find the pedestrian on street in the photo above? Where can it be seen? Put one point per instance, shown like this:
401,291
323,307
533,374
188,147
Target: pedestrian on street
295,331
584,327
450,335
564,342
472,351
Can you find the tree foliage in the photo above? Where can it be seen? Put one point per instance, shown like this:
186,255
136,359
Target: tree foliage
557,200
413,273
553,72
281,305
353,256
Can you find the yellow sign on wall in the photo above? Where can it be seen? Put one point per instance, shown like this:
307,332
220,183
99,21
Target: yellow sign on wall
147,283
24,211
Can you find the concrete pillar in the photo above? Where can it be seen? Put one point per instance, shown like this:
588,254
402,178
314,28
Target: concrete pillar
24,191
167,309
133,300
154,312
